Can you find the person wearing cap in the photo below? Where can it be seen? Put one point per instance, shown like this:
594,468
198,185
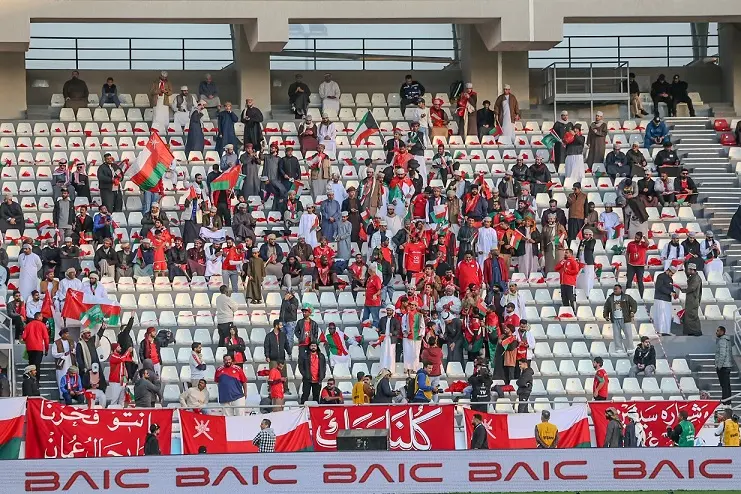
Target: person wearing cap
661,93
507,111
616,163
63,215
36,337
330,213
371,191
326,133
225,120
553,241
656,132
667,161
11,215
509,189
647,191
69,282
320,170
308,227
30,386
196,140
70,387
691,324
252,119
307,135
298,96
182,105
546,433
575,168
710,251
596,140
329,92
538,176
585,256
96,386
272,253
151,442
664,293
561,127
29,263
635,158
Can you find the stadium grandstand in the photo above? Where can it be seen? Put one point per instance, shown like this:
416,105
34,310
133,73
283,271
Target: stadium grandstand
279,227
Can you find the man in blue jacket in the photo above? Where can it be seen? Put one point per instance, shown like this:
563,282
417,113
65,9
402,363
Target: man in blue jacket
656,132
424,388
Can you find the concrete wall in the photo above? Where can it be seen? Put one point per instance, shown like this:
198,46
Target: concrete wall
730,58
12,84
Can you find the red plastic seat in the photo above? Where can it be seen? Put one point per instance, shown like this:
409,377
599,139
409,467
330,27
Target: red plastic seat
721,125
727,139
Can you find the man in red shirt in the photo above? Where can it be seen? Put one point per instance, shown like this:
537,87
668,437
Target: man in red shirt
331,395
232,258
569,270
276,381
324,250
414,257
232,385
372,295
636,253
419,204
313,368
468,272
601,380
36,337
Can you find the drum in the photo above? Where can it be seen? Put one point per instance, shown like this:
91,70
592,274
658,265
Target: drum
104,349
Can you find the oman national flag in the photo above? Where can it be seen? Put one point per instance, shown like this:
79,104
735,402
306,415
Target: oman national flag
78,305
151,164
12,413
440,214
229,180
366,128
517,430
222,434
516,238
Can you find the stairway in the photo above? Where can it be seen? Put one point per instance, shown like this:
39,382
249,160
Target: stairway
720,191
703,367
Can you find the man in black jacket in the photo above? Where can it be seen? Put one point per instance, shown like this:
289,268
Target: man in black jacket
636,107
664,292
30,382
485,119
276,347
306,332
644,359
109,182
298,96
479,437
524,386
553,209
481,383
667,160
313,367
11,215
661,93
106,258
393,146
679,94
560,128
152,445
151,216
683,184
288,169
410,92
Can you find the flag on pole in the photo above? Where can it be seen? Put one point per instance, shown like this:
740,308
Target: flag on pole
12,414
516,238
151,164
366,128
496,131
229,180
77,303
551,139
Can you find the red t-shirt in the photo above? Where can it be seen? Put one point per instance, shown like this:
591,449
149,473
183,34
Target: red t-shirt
419,207
373,291
600,376
276,389
230,255
637,253
314,366
414,257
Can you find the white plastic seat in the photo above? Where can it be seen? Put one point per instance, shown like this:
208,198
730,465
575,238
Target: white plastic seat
650,386
669,386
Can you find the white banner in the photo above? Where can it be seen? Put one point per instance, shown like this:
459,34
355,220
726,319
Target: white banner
573,470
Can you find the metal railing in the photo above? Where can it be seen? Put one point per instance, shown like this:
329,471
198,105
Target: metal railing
650,50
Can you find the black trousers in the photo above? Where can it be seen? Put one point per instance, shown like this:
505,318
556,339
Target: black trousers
636,271
34,358
310,387
523,403
568,297
683,99
724,377
574,227
665,199
223,330
663,99
404,103
17,326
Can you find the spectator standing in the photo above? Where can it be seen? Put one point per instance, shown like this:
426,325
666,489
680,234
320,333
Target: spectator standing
546,434
288,311
17,314
479,437
691,325
620,308
644,359
232,384
277,381
313,367
664,292
724,363
634,436
614,432
636,252
373,288
276,346
384,393
683,434
36,337
601,380
146,391
109,94
568,270
481,384
152,444
361,395
225,309
524,385
265,439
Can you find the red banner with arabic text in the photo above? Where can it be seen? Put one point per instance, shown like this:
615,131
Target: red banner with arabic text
59,431
653,417
412,427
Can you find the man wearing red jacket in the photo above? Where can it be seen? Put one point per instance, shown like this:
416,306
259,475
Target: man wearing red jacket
495,273
372,296
569,269
468,272
36,337
117,376
636,253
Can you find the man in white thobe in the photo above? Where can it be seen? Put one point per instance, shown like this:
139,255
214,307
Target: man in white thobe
673,251
329,92
449,302
394,222
182,106
508,127
378,237
422,115
340,194
94,288
388,347
34,303
486,241
710,252
30,265
665,291
326,133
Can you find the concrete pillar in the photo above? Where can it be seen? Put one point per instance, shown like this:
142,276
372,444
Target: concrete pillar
252,69
489,71
13,84
729,39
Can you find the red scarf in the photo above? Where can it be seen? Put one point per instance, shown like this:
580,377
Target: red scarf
72,381
471,201
323,274
522,348
357,269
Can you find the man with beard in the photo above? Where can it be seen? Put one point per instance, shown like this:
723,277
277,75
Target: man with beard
82,227
177,260
196,259
352,206
124,261
298,96
539,176
289,170
371,190
106,258
691,321
252,119
51,259
69,255
561,127
692,248
243,224
151,216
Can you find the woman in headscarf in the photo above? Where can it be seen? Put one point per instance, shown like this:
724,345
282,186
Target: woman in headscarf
160,92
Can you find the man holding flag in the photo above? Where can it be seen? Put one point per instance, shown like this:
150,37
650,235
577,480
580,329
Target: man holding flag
337,346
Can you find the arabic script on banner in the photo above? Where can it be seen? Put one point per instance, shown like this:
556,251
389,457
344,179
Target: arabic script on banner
58,431
411,427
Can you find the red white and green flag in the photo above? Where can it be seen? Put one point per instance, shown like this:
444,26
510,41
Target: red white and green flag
229,180
222,434
151,164
517,430
551,139
313,161
296,186
440,214
335,343
485,190
12,413
496,131
681,198
88,308
516,238
366,128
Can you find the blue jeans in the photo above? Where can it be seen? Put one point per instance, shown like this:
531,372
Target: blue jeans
373,312
109,98
233,278
387,294
289,328
149,199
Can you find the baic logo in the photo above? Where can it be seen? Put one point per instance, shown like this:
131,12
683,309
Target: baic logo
128,478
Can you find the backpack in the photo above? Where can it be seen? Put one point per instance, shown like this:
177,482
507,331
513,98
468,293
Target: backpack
456,88
411,388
